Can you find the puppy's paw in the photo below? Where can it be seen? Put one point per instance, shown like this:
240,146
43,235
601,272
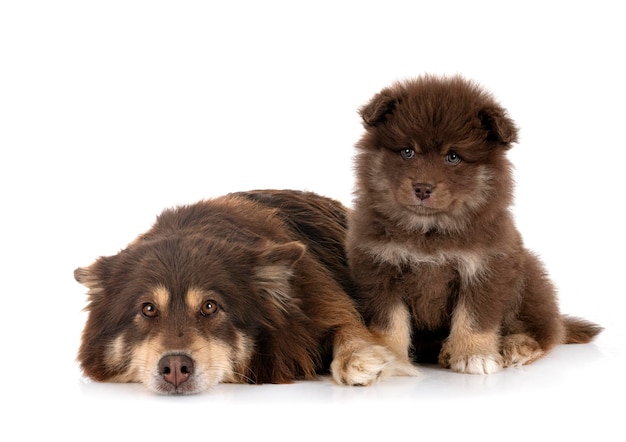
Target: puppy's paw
477,364
472,363
520,349
365,365
471,353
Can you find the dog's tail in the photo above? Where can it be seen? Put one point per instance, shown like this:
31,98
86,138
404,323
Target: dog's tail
579,331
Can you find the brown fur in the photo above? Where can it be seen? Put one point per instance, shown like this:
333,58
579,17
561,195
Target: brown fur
441,268
249,287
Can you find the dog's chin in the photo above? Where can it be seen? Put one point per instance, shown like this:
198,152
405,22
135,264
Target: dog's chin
428,215
193,386
423,209
170,390
427,208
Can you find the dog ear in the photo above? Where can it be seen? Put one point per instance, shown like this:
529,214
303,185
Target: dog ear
88,276
378,107
501,128
93,277
286,254
274,270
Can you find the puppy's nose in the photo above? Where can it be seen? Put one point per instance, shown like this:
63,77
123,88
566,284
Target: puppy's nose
176,368
423,190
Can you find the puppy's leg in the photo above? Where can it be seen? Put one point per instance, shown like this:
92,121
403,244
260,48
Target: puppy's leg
469,349
394,330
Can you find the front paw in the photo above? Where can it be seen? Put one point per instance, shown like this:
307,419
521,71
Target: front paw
470,363
365,365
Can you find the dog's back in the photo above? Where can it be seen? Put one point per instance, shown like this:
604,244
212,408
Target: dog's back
319,222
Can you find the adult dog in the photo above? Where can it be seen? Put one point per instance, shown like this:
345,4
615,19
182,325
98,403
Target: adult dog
249,287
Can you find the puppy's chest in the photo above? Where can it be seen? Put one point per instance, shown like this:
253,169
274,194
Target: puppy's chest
430,282
429,290
439,265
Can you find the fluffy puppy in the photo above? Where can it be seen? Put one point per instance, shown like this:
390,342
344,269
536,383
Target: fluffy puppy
441,268
250,287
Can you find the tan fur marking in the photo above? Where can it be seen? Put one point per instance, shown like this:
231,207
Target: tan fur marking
215,362
468,351
398,335
195,297
242,353
274,281
116,351
144,356
161,296
116,356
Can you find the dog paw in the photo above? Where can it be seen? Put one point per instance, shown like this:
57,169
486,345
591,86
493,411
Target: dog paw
400,368
477,364
520,349
366,365
471,364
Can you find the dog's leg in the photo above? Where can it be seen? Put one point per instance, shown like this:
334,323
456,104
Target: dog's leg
395,336
359,360
469,349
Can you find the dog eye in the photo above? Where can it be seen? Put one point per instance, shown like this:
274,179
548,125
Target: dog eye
453,159
209,308
407,153
149,310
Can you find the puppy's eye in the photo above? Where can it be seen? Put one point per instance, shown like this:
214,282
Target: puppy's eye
407,153
453,159
208,308
149,310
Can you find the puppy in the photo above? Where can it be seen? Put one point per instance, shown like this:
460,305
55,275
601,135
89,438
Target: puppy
250,287
441,269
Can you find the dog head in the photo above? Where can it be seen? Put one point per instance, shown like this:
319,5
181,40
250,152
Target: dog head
433,155
181,313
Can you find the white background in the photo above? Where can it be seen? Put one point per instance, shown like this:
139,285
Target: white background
111,111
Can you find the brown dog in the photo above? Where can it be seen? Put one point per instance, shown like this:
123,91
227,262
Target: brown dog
250,287
440,266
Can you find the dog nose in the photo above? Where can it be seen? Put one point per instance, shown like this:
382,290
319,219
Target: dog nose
423,190
176,368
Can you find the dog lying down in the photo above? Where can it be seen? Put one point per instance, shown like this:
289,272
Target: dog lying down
251,287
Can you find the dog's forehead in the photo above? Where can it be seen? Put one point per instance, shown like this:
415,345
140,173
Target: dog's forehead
174,299
427,128
196,296
184,261
161,295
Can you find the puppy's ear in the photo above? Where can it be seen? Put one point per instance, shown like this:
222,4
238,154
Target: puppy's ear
501,128
274,270
379,107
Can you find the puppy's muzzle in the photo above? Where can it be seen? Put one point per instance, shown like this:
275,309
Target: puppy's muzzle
176,368
422,190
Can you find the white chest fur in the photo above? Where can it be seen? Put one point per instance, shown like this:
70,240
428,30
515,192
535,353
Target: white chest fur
469,264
